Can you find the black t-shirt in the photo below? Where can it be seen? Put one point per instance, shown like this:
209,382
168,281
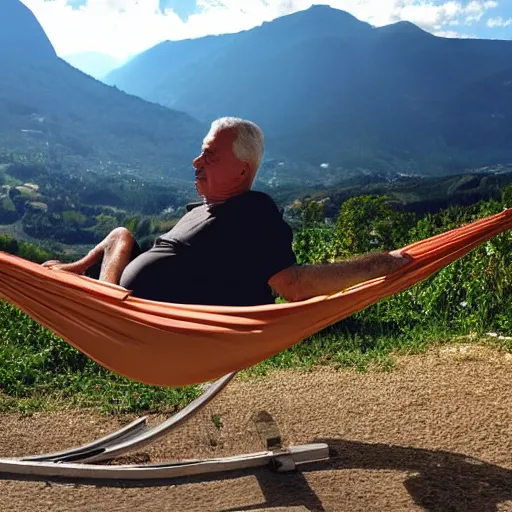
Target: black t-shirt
221,254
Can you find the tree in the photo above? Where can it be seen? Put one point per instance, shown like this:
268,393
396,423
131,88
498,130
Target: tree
367,223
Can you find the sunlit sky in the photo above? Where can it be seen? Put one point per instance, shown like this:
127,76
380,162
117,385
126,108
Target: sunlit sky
122,28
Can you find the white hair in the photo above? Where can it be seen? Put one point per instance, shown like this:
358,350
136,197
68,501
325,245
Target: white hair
249,142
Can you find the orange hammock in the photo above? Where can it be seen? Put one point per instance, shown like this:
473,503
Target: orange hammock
174,344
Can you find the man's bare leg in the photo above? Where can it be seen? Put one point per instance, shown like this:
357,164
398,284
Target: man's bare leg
115,249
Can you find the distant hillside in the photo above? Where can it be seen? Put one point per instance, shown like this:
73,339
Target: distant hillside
328,88
423,195
95,64
51,108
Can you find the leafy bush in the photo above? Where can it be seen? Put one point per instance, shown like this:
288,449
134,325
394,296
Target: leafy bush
8,244
33,253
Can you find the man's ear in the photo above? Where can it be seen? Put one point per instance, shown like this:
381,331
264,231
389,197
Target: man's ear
245,170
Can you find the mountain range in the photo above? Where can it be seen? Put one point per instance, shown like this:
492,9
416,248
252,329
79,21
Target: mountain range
330,89
336,97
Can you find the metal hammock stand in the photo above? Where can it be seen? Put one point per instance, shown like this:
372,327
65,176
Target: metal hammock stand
80,463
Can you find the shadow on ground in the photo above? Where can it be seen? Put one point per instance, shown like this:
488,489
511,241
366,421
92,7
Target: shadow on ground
439,481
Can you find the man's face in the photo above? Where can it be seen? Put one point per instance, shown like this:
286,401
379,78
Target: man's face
217,164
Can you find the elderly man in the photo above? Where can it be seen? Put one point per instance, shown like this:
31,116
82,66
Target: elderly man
232,249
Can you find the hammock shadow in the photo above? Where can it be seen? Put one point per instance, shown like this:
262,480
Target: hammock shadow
438,481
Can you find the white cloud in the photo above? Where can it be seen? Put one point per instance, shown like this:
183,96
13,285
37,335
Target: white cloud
117,27
126,27
433,16
498,22
447,33
476,10
429,15
453,35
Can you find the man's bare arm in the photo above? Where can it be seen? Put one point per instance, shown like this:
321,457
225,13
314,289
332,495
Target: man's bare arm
306,281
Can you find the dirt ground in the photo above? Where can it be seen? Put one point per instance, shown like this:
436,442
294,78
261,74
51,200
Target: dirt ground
435,434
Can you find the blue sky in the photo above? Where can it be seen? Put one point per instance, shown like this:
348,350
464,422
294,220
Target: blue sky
125,27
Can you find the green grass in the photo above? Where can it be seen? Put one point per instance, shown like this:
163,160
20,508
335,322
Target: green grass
342,350
40,372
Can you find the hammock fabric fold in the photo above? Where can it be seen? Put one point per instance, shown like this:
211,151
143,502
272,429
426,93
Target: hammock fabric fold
175,345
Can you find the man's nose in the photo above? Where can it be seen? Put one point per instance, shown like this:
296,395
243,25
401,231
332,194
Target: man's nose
196,161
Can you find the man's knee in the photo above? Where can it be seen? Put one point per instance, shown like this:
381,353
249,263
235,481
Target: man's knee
121,235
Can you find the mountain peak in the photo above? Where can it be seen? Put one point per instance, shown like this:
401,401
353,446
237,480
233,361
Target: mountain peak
402,27
21,32
327,9
319,20
327,14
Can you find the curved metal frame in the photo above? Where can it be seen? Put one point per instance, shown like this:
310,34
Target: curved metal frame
135,435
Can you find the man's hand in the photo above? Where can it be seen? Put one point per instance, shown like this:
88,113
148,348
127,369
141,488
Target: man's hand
399,259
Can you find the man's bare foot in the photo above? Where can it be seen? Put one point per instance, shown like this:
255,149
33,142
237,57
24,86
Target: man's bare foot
50,263
75,268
